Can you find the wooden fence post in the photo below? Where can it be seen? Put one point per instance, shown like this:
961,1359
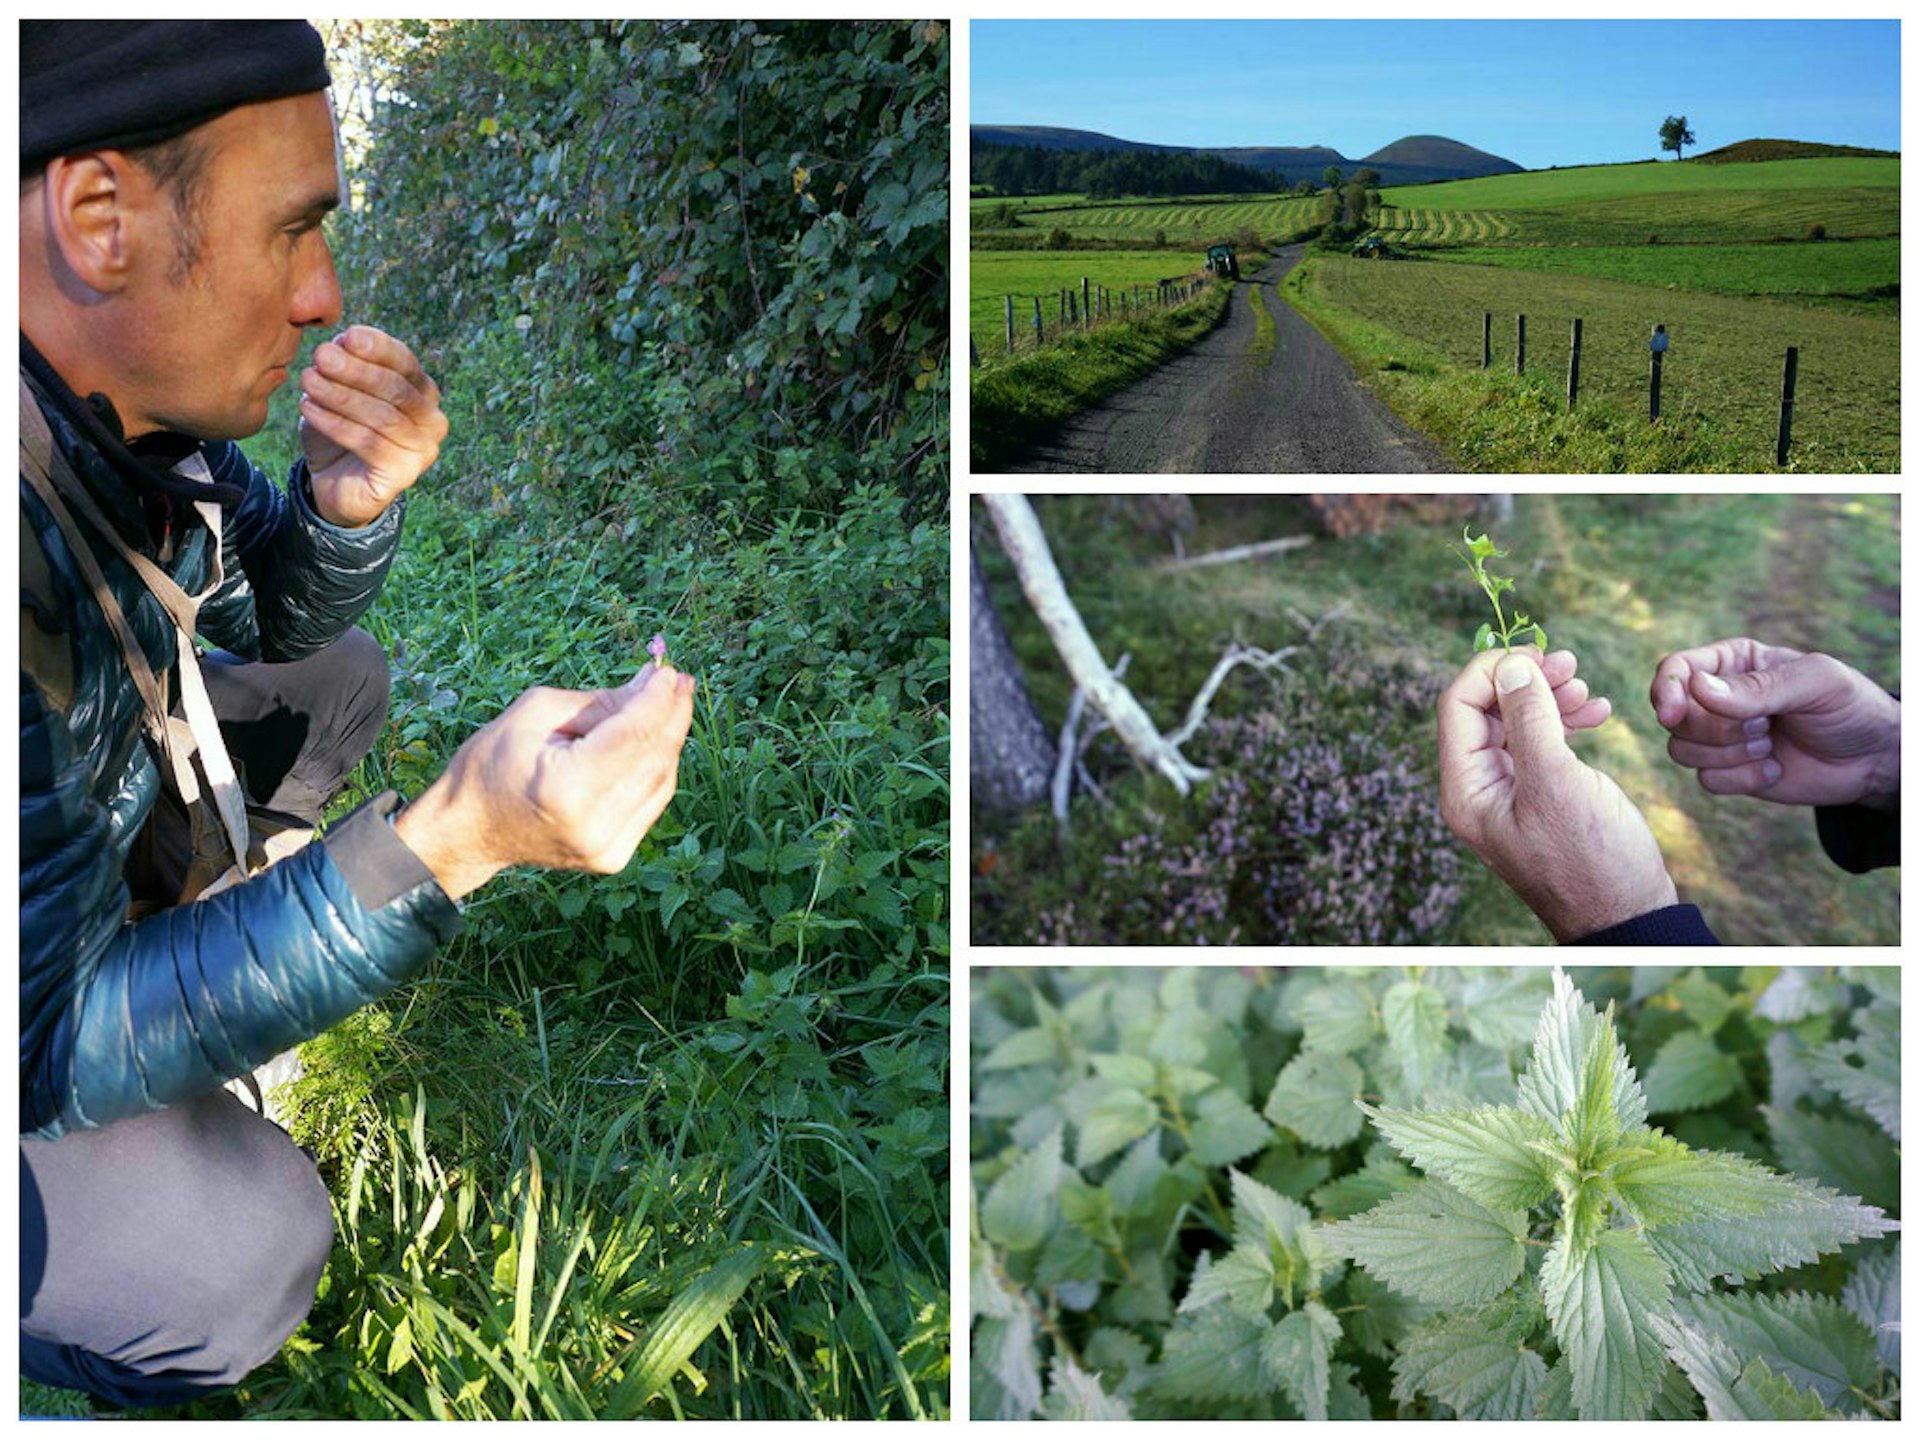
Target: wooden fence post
1653,382
1573,367
973,350
1039,335
1009,324
1486,340
1520,346
1786,405
1086,311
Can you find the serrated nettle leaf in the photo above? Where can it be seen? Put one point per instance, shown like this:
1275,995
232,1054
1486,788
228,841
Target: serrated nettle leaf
1316,1096
1798,992
1732,1391
1501,1012
1262,1217
1118,1120
1601,1301
1226,1129
1345,1399
1814,1341
1415,1017
1005,1368
1135,1183
1089,1209
1676,1399
1551,1086
1135,1072
1073,1394
1593,1125
1865,1069
1480,1372
1024,1202
1703,1002
1337,1017
1801,1222
1381,1316
1689,1073
1474,1075
1873,1295
1284,1167
1032,1046
987,1293
1213,1355
1847,1154
1787,1076
1242,1278
1555,1400
1497,1154
1181,1037
1119,1357
1071,1265
1378,1179
1297,1353
1436,1244
1662,1182
1144,1296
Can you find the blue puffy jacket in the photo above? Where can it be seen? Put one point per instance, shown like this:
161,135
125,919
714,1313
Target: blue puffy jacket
119,1018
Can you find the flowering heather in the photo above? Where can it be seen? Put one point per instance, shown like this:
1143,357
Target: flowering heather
1319,828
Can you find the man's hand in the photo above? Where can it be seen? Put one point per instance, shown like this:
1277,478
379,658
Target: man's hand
1560,833
564,779
370,423
1779,725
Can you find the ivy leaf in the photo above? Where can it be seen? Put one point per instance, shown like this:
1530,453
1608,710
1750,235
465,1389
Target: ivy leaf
1873,1293
1226,1129
1733,1391
1551,1086
1601,1301
1436,1244
1025,1201
1690,1073
1296,1354
1480,1372
1315,1097
1488,1153
1076,1395
1811,1340
1865,1070
1416,1019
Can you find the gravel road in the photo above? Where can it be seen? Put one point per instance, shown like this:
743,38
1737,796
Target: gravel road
1222,409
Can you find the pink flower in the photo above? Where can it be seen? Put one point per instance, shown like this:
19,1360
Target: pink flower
657,648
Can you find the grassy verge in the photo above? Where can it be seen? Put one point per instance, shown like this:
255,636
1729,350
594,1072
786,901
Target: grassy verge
1266,333
1621,581
1014,402
1412,331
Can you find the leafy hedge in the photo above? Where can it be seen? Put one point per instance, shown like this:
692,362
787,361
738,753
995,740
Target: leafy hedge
1435,1194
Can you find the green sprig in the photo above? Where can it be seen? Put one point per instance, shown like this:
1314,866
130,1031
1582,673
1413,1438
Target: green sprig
1502,632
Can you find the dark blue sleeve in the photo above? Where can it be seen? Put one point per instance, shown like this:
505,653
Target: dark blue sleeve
1858,839
1669,925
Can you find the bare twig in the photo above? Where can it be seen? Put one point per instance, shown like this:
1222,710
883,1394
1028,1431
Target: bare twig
1069,750
1236,654
1239,552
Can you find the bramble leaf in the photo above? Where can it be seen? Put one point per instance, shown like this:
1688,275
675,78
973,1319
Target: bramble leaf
1483,1373
1489,1153
1601,1302
1315,1095
1436,1244
1689,1072
1025,1201
1811,1340
1551,1086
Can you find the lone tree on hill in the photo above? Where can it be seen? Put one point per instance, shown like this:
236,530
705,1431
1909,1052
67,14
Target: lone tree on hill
1674,135
1332,176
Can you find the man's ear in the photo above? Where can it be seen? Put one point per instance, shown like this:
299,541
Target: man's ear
92,204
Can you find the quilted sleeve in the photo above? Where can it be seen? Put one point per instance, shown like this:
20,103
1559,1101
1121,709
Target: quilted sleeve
294,582
117,1019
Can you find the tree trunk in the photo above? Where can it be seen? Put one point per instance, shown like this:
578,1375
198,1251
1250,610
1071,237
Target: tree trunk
1010,755
1026,545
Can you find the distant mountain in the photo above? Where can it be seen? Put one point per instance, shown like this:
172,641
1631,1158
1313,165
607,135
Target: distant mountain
1409,161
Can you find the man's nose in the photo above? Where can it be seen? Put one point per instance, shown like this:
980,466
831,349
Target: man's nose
316,299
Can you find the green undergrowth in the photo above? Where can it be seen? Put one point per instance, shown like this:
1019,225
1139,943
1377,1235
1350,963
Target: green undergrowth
1014,402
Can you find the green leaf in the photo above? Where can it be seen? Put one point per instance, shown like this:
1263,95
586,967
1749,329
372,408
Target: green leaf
1117,1120
1845,1154
1380,1317
1488,1153
1337,1017
1262,1216
1551,1086
1032,1046
1076,1395
1415,1016
1704,1003
1315,1097
1226,1129
1690,1073
1296,1354
1242,1278
1798,992
1811,1340
1024,1202
1482,1373
1865,1070
1732,1391
1501,1011
692,1315
1212,1356
1436,1244
1345,1399
1005,1368
1379,1178
1663,1181
1799,1222
1873,1294
1601,1302
1484,638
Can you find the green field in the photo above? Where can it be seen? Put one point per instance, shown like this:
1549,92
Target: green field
1190,220
1722,376
1025,274
1537,188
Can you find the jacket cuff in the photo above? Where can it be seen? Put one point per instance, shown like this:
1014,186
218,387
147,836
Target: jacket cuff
300,493
1858,839
378,865
1669,925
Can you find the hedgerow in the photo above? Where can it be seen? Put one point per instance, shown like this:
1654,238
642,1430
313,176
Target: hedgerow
1435,1194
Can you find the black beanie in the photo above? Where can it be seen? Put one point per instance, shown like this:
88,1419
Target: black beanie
118,84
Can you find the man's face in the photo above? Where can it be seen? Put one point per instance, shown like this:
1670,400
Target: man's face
207,348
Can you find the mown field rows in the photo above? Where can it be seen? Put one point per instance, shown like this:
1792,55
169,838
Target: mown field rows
1188,220
1028,273
1443,227
1545,188
1723,370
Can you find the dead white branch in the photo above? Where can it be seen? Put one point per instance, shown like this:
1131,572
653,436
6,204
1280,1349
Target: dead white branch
1069,750
1236,654
1239,552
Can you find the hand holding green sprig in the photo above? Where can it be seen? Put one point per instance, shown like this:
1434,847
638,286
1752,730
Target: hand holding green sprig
1502,631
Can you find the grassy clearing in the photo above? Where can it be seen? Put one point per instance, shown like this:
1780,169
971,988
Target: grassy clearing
1416,329
1543,188
1027,275
1014,401
1862,276
1621,581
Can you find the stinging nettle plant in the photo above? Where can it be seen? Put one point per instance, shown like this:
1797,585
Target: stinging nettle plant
1590,1266
1503,632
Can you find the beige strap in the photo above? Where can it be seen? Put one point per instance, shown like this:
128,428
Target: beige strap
46,470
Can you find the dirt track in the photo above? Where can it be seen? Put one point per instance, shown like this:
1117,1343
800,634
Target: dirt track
1220,408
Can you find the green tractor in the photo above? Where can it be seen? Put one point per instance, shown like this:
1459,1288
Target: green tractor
1222,261
1374,248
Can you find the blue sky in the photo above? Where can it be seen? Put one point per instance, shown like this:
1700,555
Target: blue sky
1537,92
